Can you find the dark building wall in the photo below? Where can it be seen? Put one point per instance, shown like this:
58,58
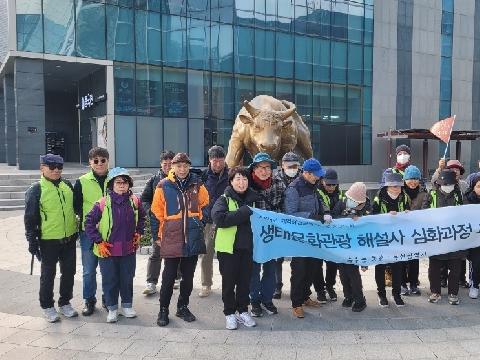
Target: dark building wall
3,157
475,151
10,120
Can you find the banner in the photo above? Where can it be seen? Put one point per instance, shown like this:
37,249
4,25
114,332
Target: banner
373,239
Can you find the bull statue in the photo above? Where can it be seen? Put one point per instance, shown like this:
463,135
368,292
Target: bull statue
268,125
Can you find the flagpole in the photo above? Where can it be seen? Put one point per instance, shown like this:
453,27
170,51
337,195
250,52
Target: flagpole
449,136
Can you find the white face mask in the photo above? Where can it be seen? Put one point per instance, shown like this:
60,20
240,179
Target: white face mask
291,172
393,196
403,158
351,204
447,189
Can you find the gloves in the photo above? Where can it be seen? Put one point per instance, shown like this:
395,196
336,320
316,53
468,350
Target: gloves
316,217
327,218
34,248
244,209
103,250
136,240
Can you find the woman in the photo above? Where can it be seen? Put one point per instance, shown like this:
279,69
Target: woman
115,225
234,245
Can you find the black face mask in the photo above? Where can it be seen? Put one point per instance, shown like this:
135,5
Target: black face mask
412,193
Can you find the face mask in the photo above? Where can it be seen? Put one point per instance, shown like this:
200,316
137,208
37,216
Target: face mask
403,158
393,196
447,189
291,172
351,204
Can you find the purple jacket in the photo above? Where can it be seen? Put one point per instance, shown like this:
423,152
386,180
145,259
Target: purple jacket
123,228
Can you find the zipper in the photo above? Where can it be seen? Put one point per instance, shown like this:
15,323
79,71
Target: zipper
63,210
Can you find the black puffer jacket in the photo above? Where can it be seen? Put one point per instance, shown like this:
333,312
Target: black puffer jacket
340,210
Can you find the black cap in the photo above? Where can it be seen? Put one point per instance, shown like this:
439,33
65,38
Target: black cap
447,177
330,177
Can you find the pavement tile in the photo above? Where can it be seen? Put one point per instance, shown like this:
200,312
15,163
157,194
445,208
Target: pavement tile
112,346
432,335
52,340
56,354
23,337
12,320
211,351
6,332
448,350
65,326
314,352
4,347
471,346
413,351
271,352
371,337
181,335
22,353
243,336
81,343
35,324
151,333
380,351
88,355
212,337
338,337
461,333
142,348
177,350
348,351
402,336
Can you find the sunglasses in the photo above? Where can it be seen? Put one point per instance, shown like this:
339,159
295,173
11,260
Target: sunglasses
96,161
55,166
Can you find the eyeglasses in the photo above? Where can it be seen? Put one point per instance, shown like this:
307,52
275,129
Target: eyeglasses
96,161
55,166
120,182
265,168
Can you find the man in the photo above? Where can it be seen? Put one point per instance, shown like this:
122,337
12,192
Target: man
215,179
302,200
88,189
272,191
154,261
51,232
290,171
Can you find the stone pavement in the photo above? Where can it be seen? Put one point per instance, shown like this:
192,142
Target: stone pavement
418,331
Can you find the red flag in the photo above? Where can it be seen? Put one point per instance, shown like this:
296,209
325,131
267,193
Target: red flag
443,129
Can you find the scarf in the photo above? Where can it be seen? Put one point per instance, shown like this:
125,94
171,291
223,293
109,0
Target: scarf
412,193
402,166
262,184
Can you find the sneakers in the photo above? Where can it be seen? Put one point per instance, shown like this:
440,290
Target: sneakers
150,289
404,291
184,313
453,299
298,312
312,303
277,294
245,319
382,301
321,297
68,311
415,291
270,308
231,322
206,290
347,302
257,310
129,312
359,306
88,309
332,294
434,298
398,301
176,284
473,293
162,319
112,316
51,314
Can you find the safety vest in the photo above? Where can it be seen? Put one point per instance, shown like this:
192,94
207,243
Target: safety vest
58,219
433,194
398,171
225,237
326,199
91,193
106,222
383,207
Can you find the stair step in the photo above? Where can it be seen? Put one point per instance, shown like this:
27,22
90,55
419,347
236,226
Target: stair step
12,195
7,202
11,207
6,188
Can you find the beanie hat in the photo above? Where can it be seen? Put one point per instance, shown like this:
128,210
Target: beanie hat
403,147
357,192
216,152
181,158
291,157
455,164
412,172
331,177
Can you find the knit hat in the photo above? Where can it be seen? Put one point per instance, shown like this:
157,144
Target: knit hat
455,164
403,147
216,152
412,172
181,158
393,179
313,165
357,192
331,177
261,157
447,177
50,159
290,157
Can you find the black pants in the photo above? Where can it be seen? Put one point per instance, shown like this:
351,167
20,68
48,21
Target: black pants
474,256
304,272
236,271
187,268
410,270
351,282
396,269
278,273
434,271
315,276
331,274
463,271
54,252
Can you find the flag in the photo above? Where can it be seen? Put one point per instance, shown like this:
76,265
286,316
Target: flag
443,129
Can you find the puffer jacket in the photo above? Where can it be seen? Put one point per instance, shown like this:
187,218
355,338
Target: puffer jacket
302,200
417,196
178,208
215,184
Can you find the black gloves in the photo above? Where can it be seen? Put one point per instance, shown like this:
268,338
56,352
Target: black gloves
34,248
245,210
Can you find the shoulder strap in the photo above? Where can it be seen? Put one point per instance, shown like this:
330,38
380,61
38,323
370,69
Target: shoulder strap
102,202
136,200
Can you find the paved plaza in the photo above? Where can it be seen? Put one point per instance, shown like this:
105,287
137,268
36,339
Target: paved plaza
418,331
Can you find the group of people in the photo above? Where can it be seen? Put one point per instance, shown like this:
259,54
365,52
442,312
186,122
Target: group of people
195,213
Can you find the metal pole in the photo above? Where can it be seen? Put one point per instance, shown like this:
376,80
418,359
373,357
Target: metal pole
425,158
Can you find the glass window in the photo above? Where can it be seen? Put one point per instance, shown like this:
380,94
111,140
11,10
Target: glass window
222,96
285,8
303,57
223,132
126,141
244,50
174,40
354,105
29,25
149,141
243,90
339,104
124,3
196,146
355,22
222,47
301,19
321,60
264,52
303,99
355,64
367,65
339,20
284,55
59,21
175,134
284,90
198,93
445,109
148,90
124,83
91,30
152,5
366,145
175,93
447,5
198,43
244,11
323,16
446,45
148,37
339,62
446,68
199,9
367,106
174,7
120,44
222,10
264,86
321,102
368,33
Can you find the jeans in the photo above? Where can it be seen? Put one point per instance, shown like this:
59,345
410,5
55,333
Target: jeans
170,268
262,288
154,265
54,252
89,264
117,278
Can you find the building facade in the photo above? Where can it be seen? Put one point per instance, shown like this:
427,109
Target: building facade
140,76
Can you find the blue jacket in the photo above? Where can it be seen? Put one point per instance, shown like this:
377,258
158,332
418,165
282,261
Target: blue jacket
216,185
302,200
